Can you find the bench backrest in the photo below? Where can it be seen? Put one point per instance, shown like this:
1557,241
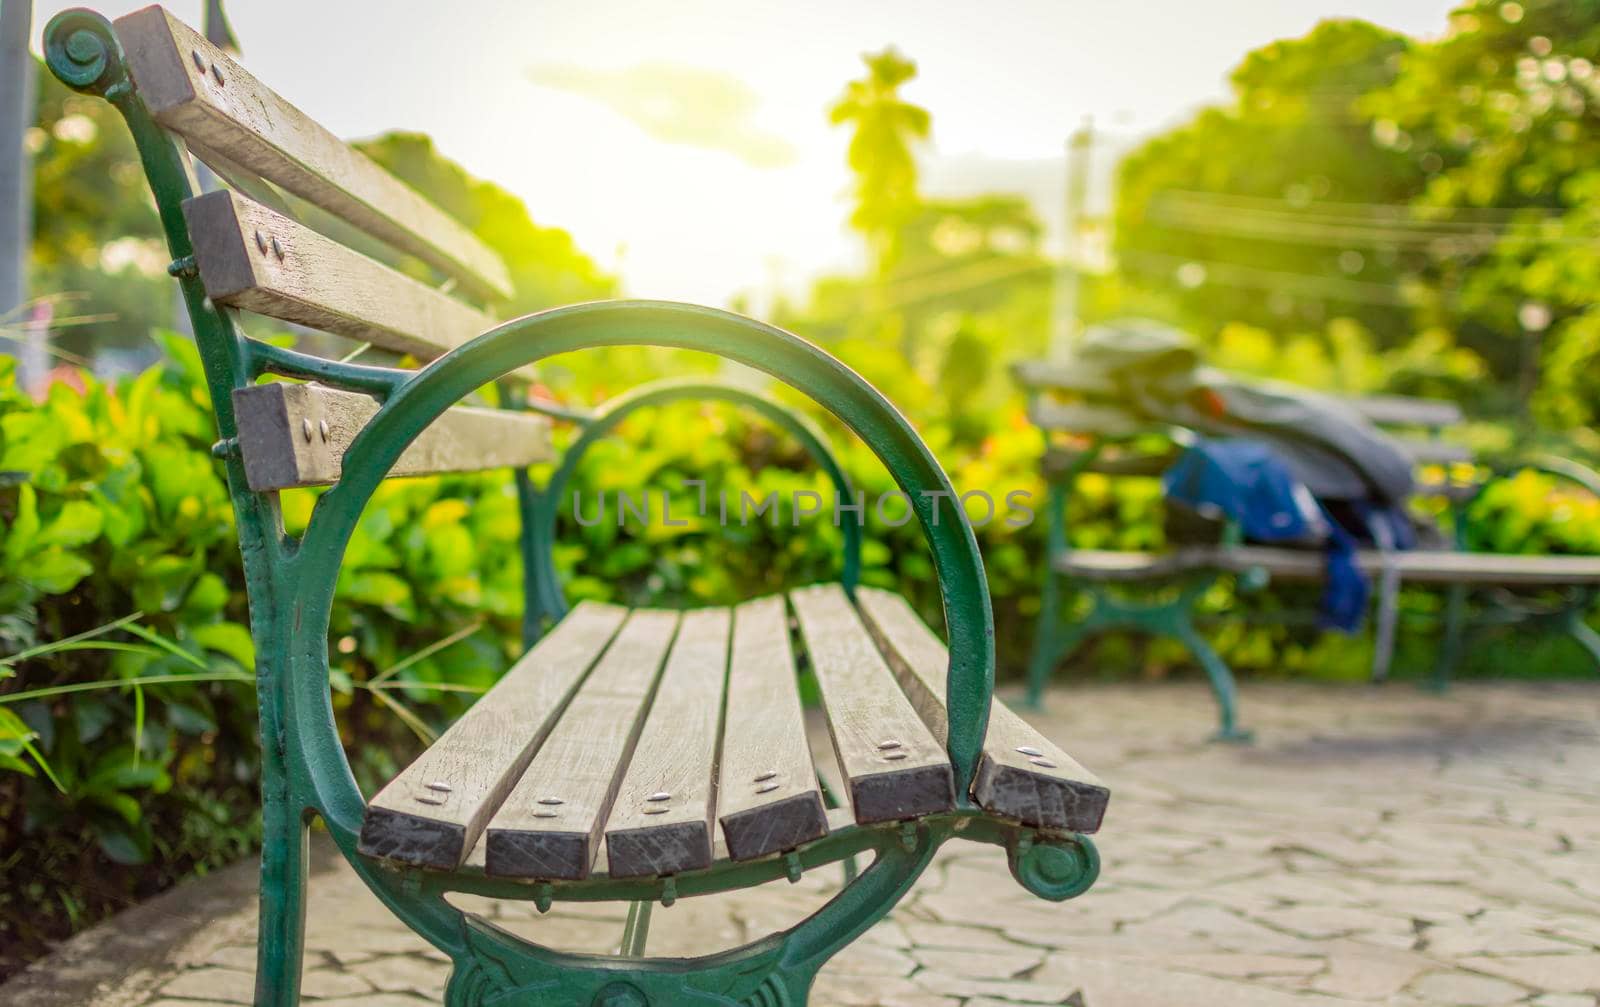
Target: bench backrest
253,254
1416,424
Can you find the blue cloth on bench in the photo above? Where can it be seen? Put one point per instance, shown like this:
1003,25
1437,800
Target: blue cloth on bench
1246,482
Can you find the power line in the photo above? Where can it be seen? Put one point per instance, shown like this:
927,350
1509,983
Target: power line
1239,224
1229,274
1406,212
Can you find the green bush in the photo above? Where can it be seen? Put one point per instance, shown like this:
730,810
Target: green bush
133,749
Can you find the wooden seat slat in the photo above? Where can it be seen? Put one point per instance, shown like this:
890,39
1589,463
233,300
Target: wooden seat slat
254,258
893,766
549,825
196,90
1021,774
1422,566
433,812
293,435
768,798
662,820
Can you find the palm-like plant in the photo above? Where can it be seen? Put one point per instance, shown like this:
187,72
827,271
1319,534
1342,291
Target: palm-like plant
886,127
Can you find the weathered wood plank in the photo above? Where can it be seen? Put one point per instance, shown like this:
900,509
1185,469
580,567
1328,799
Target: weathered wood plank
196,90
1426,451
1423,566
1404,411
549,826
253,258
1083,418
1420,566
893,766
1021,773
433,812
662,821
768,799
294,435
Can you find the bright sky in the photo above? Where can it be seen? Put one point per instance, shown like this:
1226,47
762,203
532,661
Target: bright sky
686,144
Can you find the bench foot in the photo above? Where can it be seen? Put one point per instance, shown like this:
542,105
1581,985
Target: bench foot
1233,736
280,948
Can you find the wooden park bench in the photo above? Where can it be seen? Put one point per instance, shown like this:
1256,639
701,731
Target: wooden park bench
637,756
1157,592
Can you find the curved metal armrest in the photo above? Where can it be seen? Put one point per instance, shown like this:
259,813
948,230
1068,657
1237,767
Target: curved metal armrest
963,588
611,413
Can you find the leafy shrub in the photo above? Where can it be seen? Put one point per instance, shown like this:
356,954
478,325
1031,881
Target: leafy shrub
128,756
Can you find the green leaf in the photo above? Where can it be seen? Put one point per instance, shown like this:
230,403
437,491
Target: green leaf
79,522
122,845
25,526
375,587
55,571
228,638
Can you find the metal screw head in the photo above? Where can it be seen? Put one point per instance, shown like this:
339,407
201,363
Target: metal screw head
216,72
551,800
261,243
544,814
322,426
1043,763
443,788
199,61
655,810
888,744
894,756
766,788
764,777
305,427
429,799
1029,750
277,249
659,796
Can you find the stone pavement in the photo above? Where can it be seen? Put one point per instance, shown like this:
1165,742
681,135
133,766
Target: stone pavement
1373,847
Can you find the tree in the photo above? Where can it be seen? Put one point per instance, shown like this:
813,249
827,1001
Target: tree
1262,210
885,128
1507,105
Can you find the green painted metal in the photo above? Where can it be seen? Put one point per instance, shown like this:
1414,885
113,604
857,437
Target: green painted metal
1169,613
305,773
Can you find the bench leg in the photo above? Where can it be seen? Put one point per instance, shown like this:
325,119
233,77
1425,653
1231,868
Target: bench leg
280,943
1053,639
1221,679
1455,619
636,931
1586,637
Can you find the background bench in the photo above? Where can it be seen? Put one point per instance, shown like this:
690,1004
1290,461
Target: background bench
1156,592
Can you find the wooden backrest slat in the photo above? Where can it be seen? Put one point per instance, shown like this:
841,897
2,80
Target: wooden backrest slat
253,258
194,89
294,435
1405,411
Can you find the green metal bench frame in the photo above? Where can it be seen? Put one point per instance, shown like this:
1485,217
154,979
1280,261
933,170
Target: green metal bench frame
305,773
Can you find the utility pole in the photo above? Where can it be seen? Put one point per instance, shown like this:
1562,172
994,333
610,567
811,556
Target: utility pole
1064,310
16,183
